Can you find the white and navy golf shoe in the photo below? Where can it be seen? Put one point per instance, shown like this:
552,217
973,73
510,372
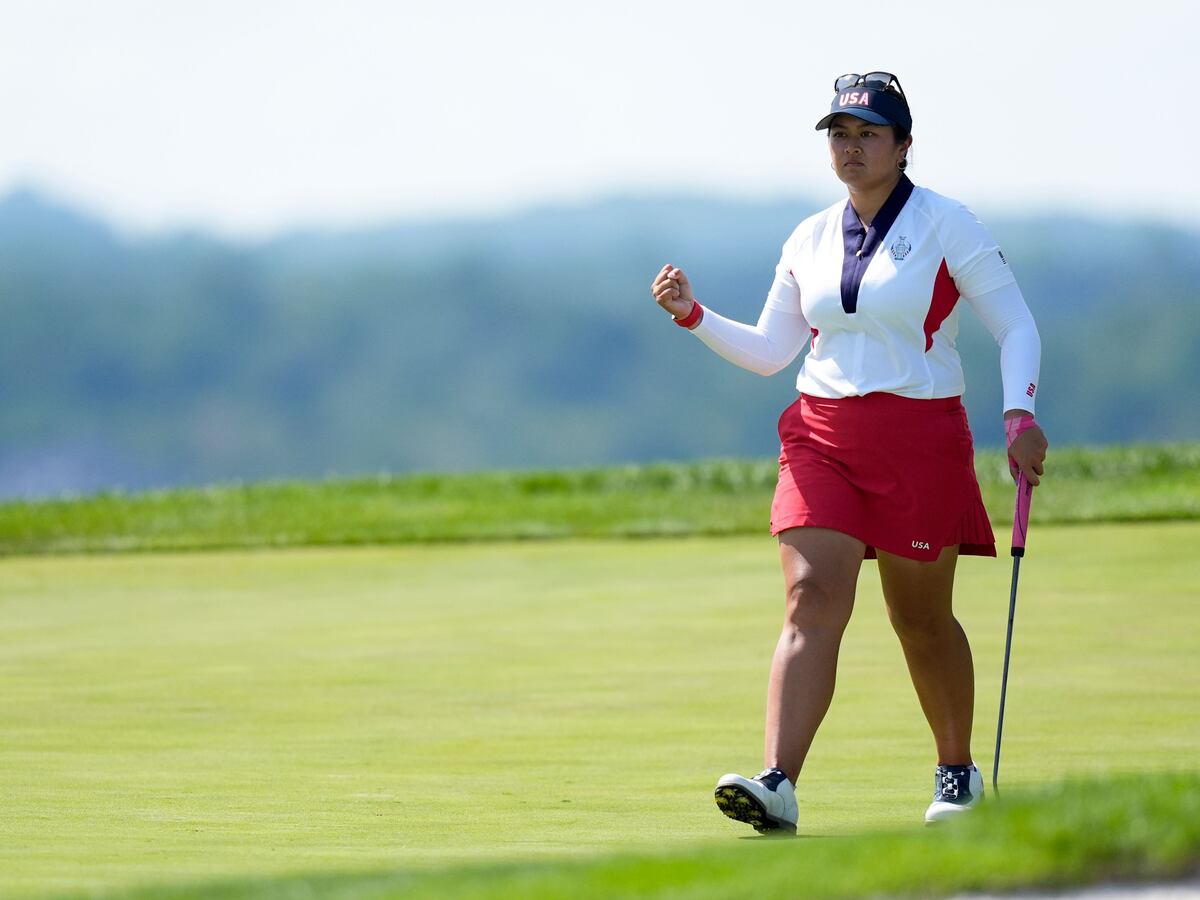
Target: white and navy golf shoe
955,790
766,802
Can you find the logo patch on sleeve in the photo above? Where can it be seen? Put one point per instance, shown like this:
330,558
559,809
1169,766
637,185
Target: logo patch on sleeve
1002,259
1029,391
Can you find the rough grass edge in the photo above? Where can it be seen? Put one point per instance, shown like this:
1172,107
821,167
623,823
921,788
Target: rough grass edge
1123,484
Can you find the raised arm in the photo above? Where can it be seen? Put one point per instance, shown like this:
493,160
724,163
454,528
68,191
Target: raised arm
764,348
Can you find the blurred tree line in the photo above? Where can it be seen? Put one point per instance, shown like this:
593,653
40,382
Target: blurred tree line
529,340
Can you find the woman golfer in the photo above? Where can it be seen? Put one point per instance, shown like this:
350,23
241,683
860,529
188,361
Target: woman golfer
876,458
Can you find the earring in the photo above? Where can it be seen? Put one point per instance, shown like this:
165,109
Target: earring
903,164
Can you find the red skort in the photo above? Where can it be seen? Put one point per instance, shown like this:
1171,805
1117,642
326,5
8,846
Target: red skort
894,472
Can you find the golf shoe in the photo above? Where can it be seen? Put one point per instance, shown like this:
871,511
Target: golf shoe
766,802
955,790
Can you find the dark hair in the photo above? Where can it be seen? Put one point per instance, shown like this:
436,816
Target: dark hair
899,131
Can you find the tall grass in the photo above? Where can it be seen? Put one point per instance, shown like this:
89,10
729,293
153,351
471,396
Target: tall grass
1126,483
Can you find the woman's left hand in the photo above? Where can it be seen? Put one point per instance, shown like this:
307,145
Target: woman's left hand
1028,451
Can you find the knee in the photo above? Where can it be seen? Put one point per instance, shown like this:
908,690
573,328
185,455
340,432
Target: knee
813,603
919,627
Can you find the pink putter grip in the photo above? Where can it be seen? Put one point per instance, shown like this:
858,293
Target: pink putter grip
1021,515
1012,428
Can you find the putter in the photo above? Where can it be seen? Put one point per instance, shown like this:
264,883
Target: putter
1020,528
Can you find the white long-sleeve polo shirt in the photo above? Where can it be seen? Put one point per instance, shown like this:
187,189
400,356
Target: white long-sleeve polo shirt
881,304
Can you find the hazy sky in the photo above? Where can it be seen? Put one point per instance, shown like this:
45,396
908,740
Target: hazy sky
251,116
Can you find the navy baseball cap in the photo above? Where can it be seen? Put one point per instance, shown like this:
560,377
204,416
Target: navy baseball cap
880,107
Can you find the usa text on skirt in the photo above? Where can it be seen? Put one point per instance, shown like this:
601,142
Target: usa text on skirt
895,472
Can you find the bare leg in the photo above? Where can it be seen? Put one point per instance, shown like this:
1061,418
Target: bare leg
820,570
935,646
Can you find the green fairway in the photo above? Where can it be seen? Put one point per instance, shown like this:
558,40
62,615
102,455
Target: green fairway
182,718
1130,829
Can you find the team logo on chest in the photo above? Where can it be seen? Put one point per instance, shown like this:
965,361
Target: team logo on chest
900,248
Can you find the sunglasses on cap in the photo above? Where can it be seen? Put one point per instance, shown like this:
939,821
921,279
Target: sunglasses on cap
877,81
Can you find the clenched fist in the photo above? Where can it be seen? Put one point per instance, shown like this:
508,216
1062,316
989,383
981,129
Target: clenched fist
672,291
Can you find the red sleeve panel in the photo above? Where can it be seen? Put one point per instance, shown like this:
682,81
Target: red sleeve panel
941,304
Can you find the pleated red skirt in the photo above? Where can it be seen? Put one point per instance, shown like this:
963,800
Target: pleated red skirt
894,472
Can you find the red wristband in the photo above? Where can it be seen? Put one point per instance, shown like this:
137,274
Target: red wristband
692,319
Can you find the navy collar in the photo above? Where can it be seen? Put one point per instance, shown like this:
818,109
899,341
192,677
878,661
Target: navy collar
859,244
884,218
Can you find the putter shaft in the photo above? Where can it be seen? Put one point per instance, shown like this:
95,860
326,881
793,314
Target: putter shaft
1012,608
